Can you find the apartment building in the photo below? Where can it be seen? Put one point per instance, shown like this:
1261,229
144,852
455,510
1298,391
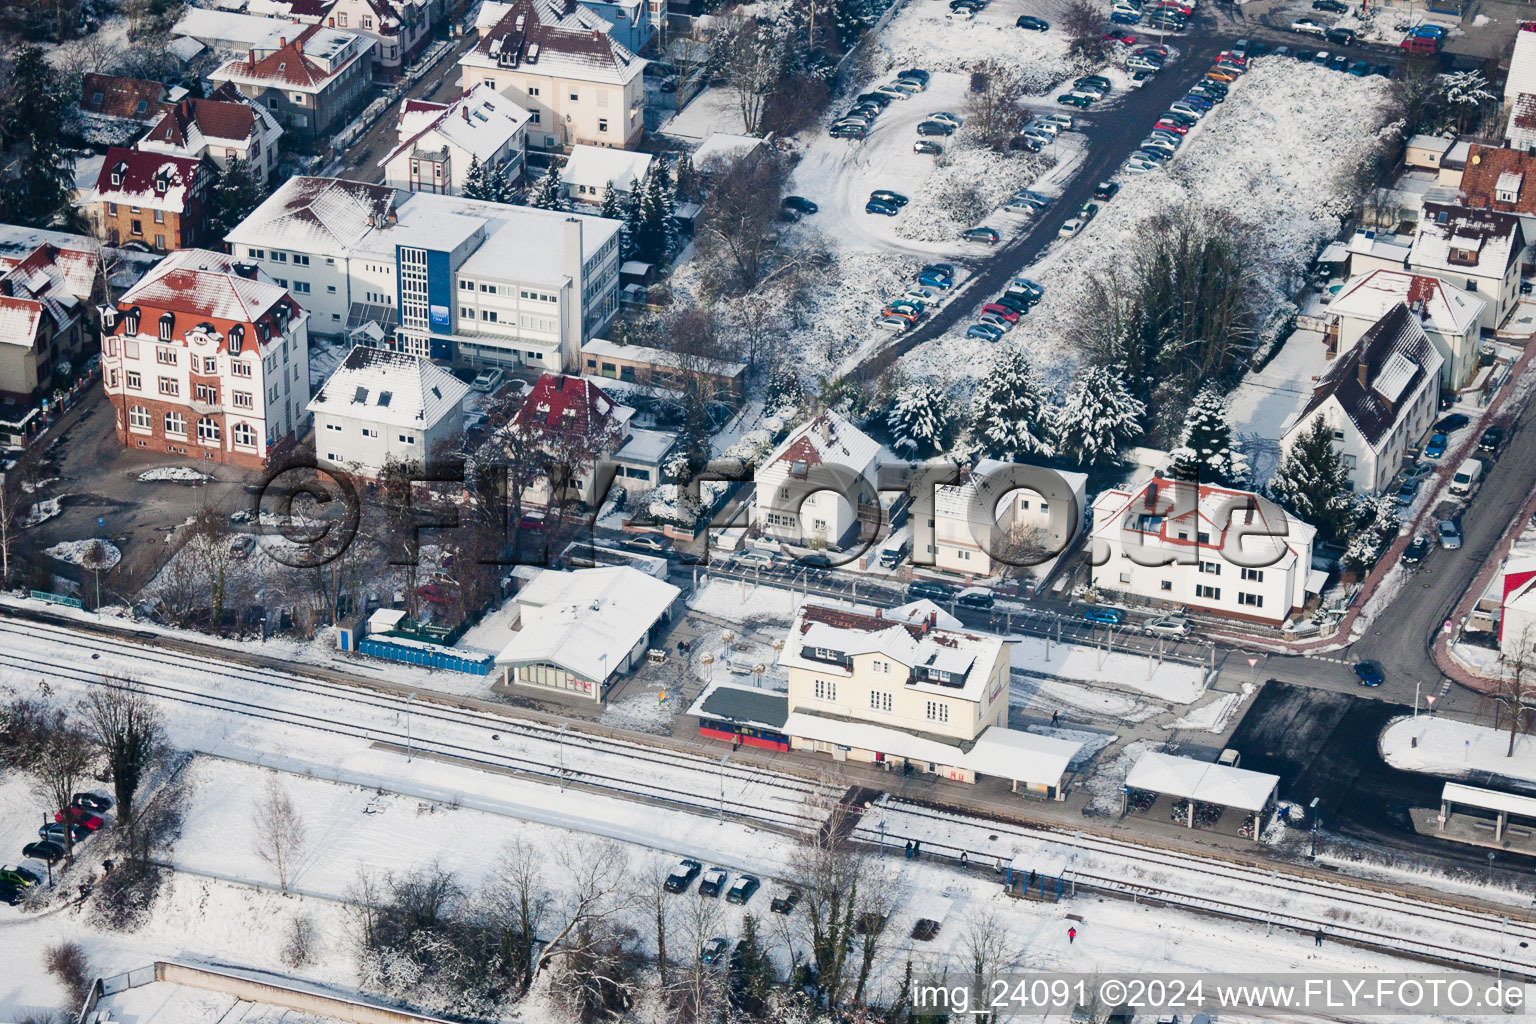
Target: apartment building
399,29
1477,250
380,406
1449,316
439,142
206,358
446,277
220,129
154,200
312,79
556,59
1215,550
46,316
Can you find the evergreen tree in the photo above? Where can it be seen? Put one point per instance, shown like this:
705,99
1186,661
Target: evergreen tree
548,194
42,172
502,187
235,194
752,972
785,394
629,240
921,418
1205,452
477,182
1312,482
1376,527
611,207
1098,416
1009,417
685,183
653,231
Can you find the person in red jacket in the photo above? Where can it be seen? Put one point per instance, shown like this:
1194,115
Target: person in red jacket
1071,935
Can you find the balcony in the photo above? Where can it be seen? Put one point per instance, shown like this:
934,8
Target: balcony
206,408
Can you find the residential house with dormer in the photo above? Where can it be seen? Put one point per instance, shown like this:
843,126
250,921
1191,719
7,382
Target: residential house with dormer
220,129
793,471
312,79
399,28
46,316
153,200
1449,316
1476,250
439,142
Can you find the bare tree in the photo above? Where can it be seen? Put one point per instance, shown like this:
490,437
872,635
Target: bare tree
126,726
691,55
211,556
1084,24
280,830
987,951
846,902
697,992
16,487
596,880
1514,693
993,114
519,900
652,899
61,764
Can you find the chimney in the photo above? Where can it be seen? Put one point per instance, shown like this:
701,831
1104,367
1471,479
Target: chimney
933,620
1364,373
1152,496
282,41
251,54
298,46
879,612
465,111
596,35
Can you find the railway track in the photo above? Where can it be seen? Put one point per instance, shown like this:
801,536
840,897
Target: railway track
534,749
1479,938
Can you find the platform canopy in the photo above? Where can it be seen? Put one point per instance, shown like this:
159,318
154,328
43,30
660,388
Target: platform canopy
1488,800
1202,781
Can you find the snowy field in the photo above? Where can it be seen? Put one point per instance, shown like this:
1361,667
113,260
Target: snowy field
1456,749
1273,154
1171,682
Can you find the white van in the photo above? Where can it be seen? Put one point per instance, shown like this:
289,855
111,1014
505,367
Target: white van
1467,477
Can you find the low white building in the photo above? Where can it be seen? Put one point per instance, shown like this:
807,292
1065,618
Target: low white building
439,142
1448,315
581,630
380,406
802,460
1378,397
722,150
1215,550
985,513
590,169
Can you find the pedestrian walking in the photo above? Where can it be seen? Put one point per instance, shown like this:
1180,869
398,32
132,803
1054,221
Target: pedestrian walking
999,868
1317,937
909,849
1071,936
1055,717
965,860
917,849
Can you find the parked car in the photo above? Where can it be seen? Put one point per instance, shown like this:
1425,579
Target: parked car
975,597
947,117
785,899
879,99
54,833
80,816
1341,36
648,543
1135,63
986,332
712,882
1369,672
800,204
1414,553
938,281
1454,422
1492,440
1040,124
1171,625
884,209
1073,99
714,950
1106,616
986,235
848,131
682,876
1408,491
1450,534
894,324
1072,226
47,852
1308,27
933,590
92,802
932,127
885,195
1033,24
742,889
1124,18
1331,6
1429,31
1468,475
1338,62
927,146
1420,44
1116,36
1024,286
1436,446
10,894
486,380
915,75
753,560
14,875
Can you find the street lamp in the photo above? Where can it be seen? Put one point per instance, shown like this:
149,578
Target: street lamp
1317,821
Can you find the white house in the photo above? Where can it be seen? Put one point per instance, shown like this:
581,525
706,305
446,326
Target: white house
1522,65
221,129
985,512
556,59
1517,611
589,170
438,142
799,464
1216,550
1478,250
399,29
447,277
1378,397
581,630
1448,315
722,150
380,406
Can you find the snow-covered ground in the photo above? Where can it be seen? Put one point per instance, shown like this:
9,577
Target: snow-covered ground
176,474
1444,746
1172,682
1273,154
85,554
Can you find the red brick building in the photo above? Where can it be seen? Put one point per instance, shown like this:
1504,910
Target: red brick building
207,358
158,201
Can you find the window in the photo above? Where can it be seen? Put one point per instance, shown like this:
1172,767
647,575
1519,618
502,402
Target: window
138,417
602,124
239,368
112,209
367,21
159,216
163,355
1211,593
111,378
575,97
175,423
1203,537
879,700
407,438
241,400
343,21
533,90
298,98
170,387
825,689
466,286
133,380
883,667
245,435
466,313
302,287
279,257
208,393
1251,600
370,432
160,242
937,711
137,227
1211,568
1256,575
207,430
300,260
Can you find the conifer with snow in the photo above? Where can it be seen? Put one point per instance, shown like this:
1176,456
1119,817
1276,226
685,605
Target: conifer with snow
548,194
785,394
1098,417
921,418
477,183
611,207
1205,453
1312,482
1010,418
1376,527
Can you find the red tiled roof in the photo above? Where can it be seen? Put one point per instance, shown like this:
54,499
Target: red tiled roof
1481,178
565,404
214,118
138,175
121,97
288,64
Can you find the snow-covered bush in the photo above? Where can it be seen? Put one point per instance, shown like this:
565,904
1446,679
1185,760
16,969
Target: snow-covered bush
673,504
969,183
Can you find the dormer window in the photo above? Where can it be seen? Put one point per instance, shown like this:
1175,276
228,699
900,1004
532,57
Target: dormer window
167,324
236,339
1464,257
117,173
161,185
1505,196
131,321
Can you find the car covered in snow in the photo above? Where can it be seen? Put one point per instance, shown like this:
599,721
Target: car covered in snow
742,889
682,876
713,882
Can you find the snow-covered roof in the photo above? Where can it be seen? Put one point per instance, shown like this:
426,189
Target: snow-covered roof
524,244
551,37
317,215
595,166
394,388
566,404
1491,240
1433,143
1380,245
202,283
19,320
155,181
721,149
660,357
587,621
1170,513
646,447
1494,175
954,500
1443,307
1488,799
481,123
1202,781
1521,130
924,610
1522,63
193,125
48,281
997,752
956,663
294,58
223,28
1374,405
827,438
